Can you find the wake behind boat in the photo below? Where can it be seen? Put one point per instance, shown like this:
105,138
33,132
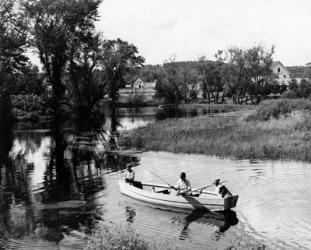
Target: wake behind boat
161,195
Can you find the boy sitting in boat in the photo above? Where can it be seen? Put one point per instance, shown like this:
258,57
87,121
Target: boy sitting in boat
129,174
183,186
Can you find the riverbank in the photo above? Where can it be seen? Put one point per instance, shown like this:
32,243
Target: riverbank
126,237
285,137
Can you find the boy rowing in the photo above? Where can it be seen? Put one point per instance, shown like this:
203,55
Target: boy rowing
183,186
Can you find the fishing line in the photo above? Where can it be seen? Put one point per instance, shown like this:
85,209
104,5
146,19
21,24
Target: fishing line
157,176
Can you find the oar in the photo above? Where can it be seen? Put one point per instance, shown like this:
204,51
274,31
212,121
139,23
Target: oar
157,176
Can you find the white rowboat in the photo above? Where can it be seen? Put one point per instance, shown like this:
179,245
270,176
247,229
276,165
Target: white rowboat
150,193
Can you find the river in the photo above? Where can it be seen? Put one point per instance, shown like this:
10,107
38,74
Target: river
51,207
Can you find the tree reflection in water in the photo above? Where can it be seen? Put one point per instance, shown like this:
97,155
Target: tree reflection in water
14,186
65,201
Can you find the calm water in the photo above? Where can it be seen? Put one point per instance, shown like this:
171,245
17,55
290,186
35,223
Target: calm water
53,197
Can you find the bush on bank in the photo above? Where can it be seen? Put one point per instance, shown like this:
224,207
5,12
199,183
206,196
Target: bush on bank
241,137
273,109
27,107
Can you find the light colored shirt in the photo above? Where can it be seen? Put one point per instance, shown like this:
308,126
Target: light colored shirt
183,185
129,175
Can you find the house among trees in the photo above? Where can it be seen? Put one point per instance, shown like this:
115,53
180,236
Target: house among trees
281,73
285,74
139,89
147,86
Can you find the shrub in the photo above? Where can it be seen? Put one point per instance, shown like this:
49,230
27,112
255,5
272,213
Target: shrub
304,88
273,109
27,103
290,94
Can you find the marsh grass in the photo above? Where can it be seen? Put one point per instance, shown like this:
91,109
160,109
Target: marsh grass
287,137
123,237
116,237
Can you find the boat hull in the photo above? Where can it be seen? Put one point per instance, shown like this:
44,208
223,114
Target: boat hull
180,202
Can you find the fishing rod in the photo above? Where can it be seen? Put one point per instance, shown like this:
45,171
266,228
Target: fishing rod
157,176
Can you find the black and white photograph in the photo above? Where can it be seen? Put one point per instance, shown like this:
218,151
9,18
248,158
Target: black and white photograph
155,124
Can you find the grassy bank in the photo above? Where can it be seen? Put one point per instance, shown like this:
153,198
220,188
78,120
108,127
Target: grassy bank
245,136
125,237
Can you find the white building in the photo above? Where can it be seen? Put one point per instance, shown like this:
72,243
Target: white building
281,73
146,90
139,84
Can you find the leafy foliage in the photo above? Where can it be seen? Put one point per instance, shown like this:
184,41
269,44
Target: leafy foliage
55,26
277,108
244,75
250,74
13,41
86,83
212,78
13,37
295,90
119,57
27,103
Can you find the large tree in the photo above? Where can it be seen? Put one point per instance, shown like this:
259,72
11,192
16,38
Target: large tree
188,79
86,81
251,73
258,65
169,90
55,26
118,58
13,42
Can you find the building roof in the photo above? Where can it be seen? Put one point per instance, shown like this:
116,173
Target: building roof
276,63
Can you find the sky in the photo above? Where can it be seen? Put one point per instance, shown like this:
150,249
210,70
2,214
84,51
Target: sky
192,28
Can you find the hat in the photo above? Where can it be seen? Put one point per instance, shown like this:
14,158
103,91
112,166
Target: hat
216,182
129,165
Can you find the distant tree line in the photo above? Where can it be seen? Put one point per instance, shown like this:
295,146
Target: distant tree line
244,75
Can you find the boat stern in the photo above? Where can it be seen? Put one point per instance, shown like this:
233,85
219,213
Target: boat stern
230,202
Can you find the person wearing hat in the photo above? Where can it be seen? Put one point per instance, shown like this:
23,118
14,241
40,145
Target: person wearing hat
183,186
221,190
129,174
